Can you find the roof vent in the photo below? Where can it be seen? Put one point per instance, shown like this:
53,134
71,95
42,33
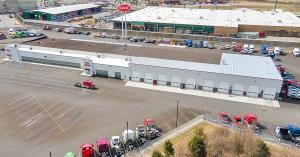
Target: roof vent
238,19
201,17
173,10
279,21
243,10
158,17
273,13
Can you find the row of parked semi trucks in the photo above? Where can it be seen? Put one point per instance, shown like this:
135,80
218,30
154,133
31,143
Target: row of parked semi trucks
118,146
290,133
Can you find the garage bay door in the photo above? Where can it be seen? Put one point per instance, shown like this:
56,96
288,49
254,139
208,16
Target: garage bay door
176,81
208,85
269,93
238,89
190,83
223,87
162,79
135,76
253,91
101,73
148,78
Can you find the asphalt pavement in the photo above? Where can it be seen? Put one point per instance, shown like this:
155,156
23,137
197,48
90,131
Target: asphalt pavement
44,111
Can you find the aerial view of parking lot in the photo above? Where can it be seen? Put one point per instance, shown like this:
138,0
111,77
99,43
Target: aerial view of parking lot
98,78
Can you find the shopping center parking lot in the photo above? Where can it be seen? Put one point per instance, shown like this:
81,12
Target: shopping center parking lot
42,110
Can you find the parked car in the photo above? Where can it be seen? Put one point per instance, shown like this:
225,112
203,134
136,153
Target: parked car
103,35
211,46
46,27
59,29
134,39
152,41
87,33
70,30
279,51
296,52
114,36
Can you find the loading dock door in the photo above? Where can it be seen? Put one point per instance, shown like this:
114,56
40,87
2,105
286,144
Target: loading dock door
223,87
269,93
253,91
190,83
208,85
148,78
117,75
238,89
135,76
176,81
162,79
101,73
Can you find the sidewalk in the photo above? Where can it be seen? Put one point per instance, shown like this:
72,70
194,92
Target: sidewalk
242,99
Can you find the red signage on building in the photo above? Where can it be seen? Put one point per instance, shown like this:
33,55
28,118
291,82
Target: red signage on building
124,7
87,64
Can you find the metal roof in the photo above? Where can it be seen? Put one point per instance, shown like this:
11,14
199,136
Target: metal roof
96,60
66,9
232,64
209,17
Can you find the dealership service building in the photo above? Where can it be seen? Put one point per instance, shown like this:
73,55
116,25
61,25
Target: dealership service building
62,13
208,21
236,74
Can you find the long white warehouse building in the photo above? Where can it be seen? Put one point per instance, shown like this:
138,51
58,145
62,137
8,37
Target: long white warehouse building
236,74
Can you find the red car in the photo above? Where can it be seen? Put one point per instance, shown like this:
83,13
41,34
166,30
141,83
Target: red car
224,118
237,120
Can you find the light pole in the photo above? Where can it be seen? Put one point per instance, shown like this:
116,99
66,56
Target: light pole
50,154
275,5
177,104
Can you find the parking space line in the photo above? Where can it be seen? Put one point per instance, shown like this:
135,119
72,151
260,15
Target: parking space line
60,127
33,77
40,128
19,99
24,107
27,120
42,120
25,115
46,135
